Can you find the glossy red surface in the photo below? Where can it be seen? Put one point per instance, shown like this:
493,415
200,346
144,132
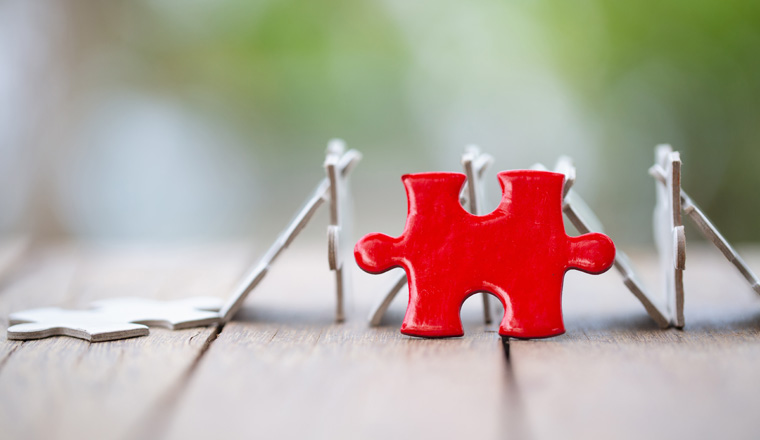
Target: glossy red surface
519,253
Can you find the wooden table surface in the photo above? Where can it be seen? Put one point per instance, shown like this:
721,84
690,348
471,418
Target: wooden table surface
284,369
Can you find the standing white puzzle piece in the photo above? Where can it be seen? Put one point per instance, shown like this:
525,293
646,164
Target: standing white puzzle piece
669,232
338,166
341,165
475,164
115,318
585,220
255,275
89,325
711,233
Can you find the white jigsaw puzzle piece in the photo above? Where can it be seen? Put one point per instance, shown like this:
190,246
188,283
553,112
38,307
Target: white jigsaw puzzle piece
342,165
710,232
174,315
585,220
116,318
669,232
338,165
89,325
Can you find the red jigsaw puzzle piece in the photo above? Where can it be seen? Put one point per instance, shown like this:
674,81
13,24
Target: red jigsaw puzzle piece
520,253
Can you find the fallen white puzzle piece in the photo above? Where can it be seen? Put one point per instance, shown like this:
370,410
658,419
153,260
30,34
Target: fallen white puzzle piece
338,165
116,318
89,325
475,164
174,315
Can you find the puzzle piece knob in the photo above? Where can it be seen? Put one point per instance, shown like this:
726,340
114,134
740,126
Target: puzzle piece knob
376,253
592,253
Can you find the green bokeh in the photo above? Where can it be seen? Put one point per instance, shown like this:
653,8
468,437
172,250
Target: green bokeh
680,72
291,74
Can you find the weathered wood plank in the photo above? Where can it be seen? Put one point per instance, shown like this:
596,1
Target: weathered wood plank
68,388
614,375
284,369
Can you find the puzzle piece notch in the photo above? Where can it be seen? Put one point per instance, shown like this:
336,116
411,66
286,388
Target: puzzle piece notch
115,318
519,253
475,163
89,325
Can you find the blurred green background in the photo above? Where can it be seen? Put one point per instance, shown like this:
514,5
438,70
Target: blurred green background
188,120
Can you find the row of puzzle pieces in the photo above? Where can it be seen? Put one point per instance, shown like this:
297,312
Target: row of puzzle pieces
519,253
665,309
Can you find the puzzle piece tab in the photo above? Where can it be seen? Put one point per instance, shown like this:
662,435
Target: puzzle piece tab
520,253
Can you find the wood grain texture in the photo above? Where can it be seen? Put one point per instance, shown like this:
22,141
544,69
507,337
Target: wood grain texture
614,375
284,369
342,382
67,388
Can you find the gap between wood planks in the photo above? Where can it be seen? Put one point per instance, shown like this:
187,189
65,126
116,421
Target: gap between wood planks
157,420
513,393
7,355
